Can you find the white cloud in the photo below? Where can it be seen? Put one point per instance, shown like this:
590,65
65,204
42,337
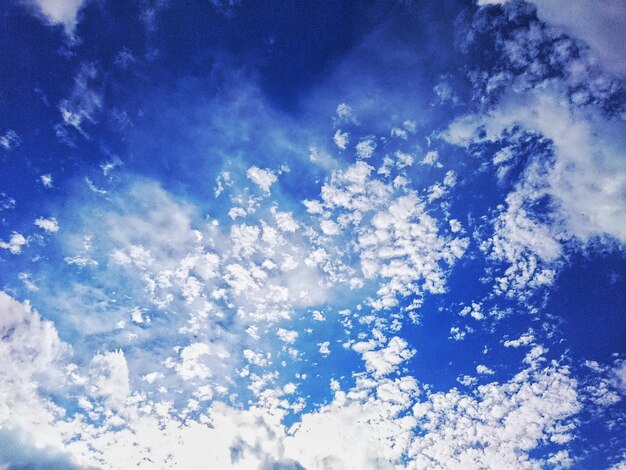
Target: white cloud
15,243
620,374
288,336
192,365
378,423
524,340
602,27
365,148
398,242
17,450
63,12
80,261
484,370
32,358
344,111
587,189
324,348
362,428
262,177
431,158
341,139
10,140
109,378
499,426
385,360
48,224
46,180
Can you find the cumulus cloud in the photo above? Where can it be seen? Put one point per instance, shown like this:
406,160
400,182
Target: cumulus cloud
32,358
15,244
397,240
46,180
109,378
498,427
365,148
341,139
63,12
364,428
48,224
262,177
385,360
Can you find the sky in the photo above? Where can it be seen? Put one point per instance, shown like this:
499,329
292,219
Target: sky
312,235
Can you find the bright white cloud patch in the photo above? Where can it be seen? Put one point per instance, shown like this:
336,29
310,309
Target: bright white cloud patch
48,224
109,378
32,359
46,180
63,12
262,177
498,427
15,244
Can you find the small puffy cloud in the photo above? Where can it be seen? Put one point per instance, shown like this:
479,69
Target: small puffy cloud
285,221
403,159
385,360
9,140
63,12
344,111
365,148
341,139
455,226
329,227
484,370
431,158
15,243
256,358
192,365
49,225
262,177
324,348
46,180
109,378
288,336
467,380
524,340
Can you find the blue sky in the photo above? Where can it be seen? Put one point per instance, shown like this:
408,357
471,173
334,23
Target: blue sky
312,235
